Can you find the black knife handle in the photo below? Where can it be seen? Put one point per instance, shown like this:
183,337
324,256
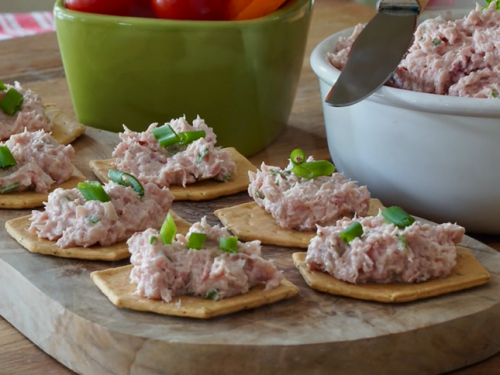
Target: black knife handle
399,7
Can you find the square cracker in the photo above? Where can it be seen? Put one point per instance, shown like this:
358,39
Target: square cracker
467,273
18,229
201,190
251,222
64,129
115,284
32,199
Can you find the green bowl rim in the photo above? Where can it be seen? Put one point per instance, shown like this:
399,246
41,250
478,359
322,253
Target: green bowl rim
61,12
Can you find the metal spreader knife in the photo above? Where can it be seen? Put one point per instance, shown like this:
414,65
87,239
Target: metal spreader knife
377,51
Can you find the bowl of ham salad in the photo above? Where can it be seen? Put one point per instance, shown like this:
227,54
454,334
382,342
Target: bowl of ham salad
429,139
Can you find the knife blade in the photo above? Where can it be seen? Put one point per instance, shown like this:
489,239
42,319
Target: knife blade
376,52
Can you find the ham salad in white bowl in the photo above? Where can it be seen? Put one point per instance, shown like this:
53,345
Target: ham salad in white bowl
428,140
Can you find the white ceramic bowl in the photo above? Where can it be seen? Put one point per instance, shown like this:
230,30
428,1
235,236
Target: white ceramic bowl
436,156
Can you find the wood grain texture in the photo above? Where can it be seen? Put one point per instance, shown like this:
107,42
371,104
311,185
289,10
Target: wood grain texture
36,63
54,303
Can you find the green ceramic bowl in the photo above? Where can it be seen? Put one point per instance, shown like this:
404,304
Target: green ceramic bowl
240,76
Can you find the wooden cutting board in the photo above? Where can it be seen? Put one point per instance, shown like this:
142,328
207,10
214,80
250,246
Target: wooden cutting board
55,304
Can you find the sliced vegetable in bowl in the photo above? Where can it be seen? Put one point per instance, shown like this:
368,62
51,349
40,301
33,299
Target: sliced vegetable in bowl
194,10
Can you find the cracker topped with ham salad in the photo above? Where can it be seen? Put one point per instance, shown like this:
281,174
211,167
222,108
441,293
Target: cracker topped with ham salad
180,156
289,202
202,274
93,221
389,257
23,110
31,165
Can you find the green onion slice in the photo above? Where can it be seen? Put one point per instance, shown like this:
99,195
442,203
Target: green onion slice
153,240
229,244
6,158
404,243
11,102
2,86
168,230
93,219
488,2
196,240
313,169
190,136
126,179
351,232
201,155
212,294
298,156
9,187
165,135
93,191
397,216
258,194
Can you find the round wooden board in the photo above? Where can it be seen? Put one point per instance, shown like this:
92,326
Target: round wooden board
55,304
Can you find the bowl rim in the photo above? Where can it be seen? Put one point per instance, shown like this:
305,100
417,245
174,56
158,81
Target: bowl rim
412,100
289,10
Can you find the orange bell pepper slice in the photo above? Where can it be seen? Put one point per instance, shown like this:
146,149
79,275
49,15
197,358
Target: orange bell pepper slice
258,8
234,7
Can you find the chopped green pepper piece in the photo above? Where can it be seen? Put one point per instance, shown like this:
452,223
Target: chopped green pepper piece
229,244
196,240
11,102
93,191
126,179
153,240
351,232
397,216
168,230
6,157
2,86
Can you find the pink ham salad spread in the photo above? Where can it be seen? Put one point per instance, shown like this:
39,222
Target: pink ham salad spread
385,253
457,58
72,221
31,116
41,162
141,155
299,203
162,272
